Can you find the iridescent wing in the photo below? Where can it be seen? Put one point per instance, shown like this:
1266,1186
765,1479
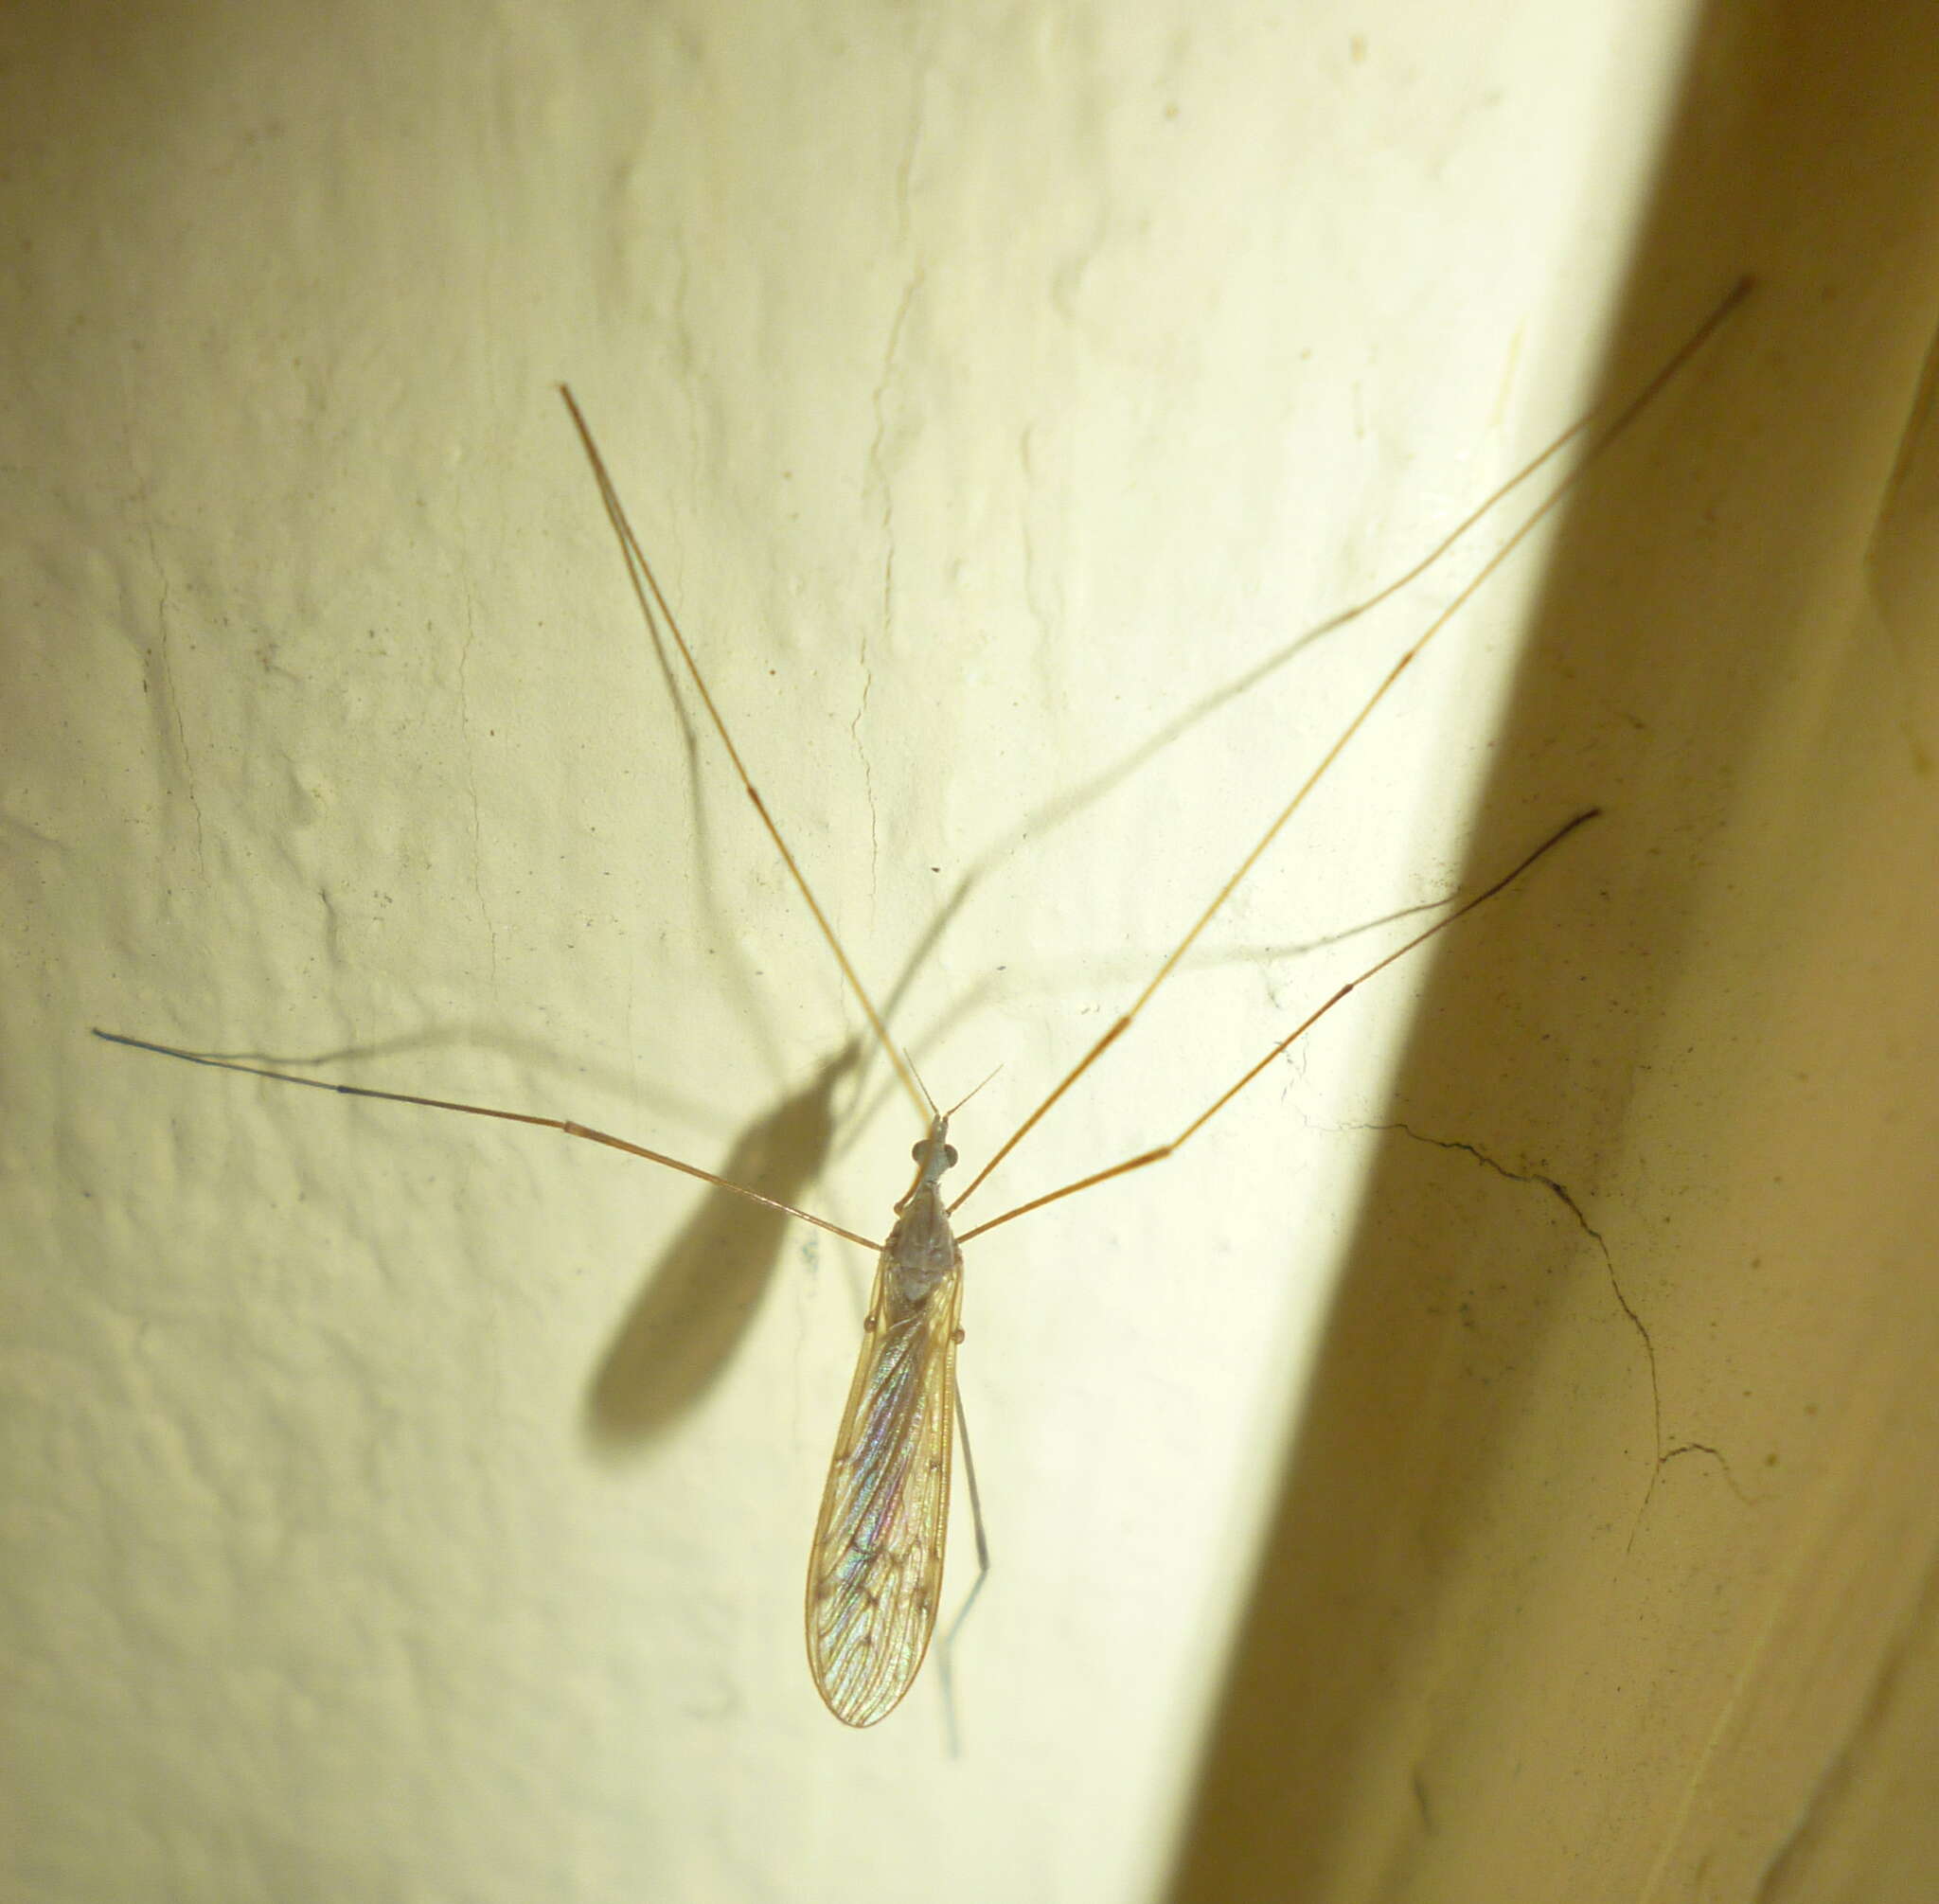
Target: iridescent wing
876,1570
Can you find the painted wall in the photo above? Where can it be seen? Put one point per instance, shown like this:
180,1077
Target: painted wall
404,1506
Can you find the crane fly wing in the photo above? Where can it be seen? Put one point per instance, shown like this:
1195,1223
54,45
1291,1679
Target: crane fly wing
875,1573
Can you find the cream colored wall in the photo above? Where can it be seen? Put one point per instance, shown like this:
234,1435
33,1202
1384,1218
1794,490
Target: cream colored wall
403,1507
1604,1564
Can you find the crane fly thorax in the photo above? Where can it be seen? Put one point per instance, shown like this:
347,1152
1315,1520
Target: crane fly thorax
922,1251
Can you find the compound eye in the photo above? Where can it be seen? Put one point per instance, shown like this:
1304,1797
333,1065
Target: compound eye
915,1150
948,1156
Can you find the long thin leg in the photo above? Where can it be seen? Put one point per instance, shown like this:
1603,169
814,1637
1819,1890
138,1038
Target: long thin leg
583,1131
1600,442
637,566
1041,820
946,1646
1292,1038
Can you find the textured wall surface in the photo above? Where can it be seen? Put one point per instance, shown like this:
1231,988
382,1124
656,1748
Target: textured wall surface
1606,1565
402,1506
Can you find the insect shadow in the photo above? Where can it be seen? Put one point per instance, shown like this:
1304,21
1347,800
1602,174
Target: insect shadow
699,1298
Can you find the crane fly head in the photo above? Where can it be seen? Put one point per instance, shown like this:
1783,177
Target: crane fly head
933,1154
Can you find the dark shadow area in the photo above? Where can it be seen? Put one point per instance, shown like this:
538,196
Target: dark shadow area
701,1297
1676,614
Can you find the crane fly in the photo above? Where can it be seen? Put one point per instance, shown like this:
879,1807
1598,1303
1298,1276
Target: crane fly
876,1564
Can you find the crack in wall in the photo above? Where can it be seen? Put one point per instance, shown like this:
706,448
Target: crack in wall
879,474
1661,1455
1717,1455
164,655
170,712
471,777
878,468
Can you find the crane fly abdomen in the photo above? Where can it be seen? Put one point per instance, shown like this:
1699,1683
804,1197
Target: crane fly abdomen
876,1568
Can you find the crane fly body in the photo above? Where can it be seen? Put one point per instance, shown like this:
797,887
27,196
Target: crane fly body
875,1572
875,1565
